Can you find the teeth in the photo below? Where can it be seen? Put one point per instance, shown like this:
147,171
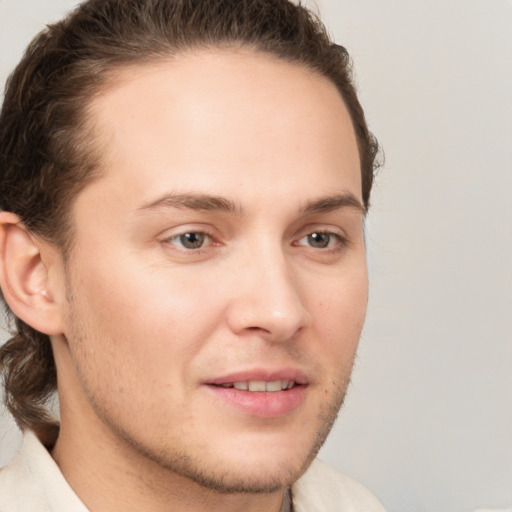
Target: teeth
274,386
261,385
257,385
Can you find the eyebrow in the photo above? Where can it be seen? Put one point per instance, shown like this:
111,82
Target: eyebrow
195,202
335,202
207,202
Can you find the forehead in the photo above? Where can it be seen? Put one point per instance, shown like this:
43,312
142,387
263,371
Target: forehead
216,117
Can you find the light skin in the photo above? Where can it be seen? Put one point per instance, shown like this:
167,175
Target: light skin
256,160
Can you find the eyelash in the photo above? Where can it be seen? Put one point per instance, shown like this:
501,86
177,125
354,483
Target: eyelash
179,237
335,241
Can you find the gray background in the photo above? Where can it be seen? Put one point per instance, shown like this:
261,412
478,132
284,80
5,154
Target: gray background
428,423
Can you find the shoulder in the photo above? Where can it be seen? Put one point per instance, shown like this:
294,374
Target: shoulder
323,489
32,481
18,487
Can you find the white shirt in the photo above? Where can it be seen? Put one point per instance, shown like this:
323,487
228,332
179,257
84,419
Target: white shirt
32,482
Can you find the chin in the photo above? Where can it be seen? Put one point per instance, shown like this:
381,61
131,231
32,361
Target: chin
242,467
265,468
250,478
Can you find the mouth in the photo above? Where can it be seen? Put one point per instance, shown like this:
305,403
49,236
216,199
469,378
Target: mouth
260,386
261,393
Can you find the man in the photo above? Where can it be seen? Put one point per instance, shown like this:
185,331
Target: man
183,190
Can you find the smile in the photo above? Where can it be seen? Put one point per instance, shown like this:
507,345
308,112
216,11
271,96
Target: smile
260,398
261,385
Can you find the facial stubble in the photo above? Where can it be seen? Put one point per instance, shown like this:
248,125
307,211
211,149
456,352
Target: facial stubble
192,466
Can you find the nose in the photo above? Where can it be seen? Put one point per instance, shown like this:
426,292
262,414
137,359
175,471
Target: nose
267,299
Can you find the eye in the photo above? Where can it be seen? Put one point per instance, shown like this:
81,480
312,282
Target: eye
191,241
321,240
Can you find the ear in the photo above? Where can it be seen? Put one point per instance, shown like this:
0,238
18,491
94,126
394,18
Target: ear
31,276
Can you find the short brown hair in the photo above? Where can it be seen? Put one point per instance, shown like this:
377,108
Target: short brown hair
47,157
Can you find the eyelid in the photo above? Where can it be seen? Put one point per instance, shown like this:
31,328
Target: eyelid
318,232
340,243
183,229
167,237
175,239
321,228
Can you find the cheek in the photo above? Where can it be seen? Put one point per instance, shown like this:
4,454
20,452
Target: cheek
339,314
139,334
145,313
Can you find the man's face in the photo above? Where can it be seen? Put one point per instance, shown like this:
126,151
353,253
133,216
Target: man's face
221,254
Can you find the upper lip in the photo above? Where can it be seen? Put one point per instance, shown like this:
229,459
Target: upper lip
266,375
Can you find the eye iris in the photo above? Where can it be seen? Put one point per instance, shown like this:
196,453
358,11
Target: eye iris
192,240
319,240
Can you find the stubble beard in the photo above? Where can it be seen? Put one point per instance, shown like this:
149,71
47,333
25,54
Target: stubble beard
192,467
226,481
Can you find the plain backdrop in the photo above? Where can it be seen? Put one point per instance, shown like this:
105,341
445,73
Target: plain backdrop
428,423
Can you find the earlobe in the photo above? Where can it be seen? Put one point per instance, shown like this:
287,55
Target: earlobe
24,276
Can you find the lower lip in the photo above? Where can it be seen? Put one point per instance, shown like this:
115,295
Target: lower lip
263,404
